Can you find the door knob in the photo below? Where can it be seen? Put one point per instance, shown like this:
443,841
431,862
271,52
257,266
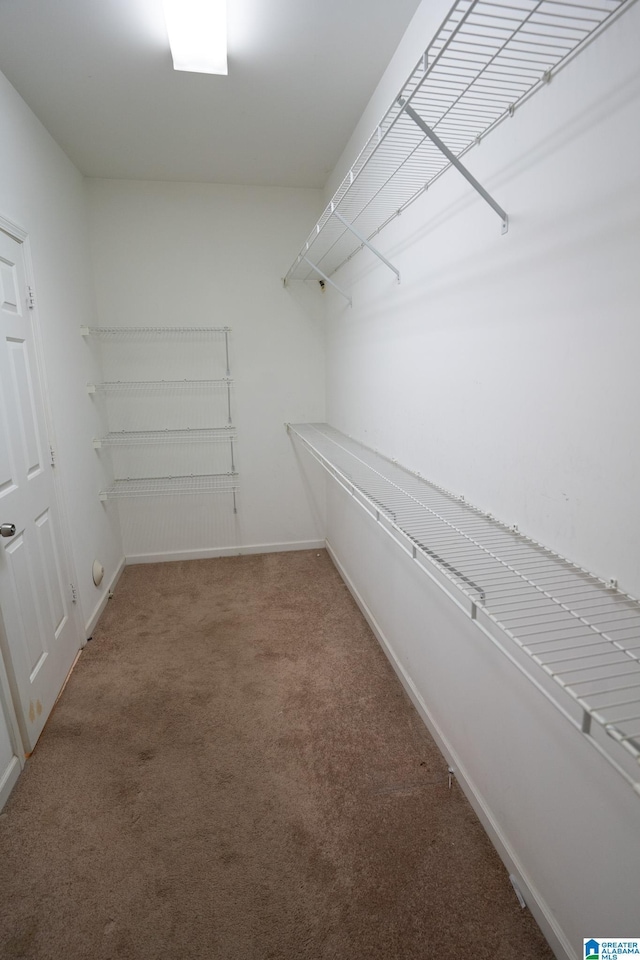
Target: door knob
7,529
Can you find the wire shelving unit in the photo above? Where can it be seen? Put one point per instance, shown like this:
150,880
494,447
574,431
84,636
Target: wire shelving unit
166,387
116,334
112,386
575,636
108,333
170,486
487,57
133,438
158,429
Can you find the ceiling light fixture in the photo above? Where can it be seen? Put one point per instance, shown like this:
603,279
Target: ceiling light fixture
197,35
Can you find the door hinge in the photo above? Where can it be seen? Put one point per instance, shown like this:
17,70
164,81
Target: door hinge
52,455
74,593
31,298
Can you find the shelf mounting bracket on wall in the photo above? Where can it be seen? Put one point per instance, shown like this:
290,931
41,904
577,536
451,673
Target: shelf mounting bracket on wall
453,160
364,240
326,279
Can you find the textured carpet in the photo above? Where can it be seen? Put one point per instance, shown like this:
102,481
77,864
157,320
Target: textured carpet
234,773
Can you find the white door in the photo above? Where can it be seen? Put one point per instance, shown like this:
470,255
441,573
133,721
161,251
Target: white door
38,633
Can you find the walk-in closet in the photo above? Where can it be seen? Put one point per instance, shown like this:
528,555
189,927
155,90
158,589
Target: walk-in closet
319,574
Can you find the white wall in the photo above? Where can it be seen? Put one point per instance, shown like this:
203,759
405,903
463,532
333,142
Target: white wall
504,369
43,193
212,255
508,370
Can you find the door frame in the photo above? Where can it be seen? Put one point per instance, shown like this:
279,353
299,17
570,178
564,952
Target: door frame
21,236
7,710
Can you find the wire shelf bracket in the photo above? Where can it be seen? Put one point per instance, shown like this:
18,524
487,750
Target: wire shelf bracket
484,62
575,637
453,160
364,241
325,278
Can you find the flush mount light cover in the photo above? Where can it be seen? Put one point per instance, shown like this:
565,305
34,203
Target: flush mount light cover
197,35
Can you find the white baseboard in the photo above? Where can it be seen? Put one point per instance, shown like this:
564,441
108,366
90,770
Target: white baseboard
8,781
540,910
95,616
225,551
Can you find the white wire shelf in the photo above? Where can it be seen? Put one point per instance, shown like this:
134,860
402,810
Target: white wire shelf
133,438
574,636
168,486
144,337
486,58
122,386
116,333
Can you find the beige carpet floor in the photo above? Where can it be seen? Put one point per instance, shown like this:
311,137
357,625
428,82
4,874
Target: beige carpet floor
234,773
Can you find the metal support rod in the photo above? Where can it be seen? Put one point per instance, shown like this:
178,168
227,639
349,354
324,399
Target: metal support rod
235,505
229,402
327,279
233,465
364,240
444,149
226,347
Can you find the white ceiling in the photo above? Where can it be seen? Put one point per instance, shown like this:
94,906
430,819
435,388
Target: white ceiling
98,74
